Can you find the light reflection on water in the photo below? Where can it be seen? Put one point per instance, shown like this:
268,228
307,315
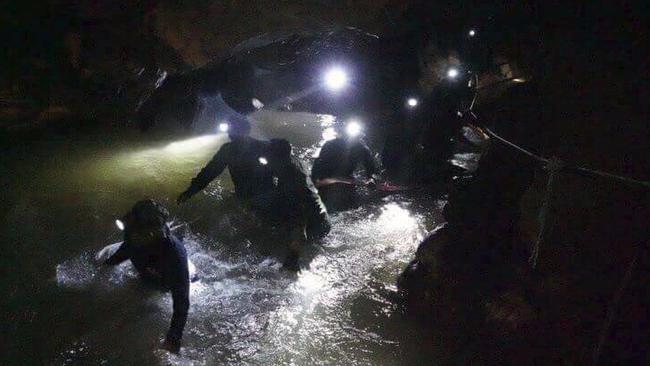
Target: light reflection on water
316,326
244,309
253,313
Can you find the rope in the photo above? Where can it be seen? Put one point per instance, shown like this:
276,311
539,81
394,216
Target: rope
554,166
613,306
587,171
611,176
516,147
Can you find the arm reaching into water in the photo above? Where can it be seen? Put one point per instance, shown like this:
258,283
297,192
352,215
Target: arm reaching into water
123,253
179,281
181,299
214,168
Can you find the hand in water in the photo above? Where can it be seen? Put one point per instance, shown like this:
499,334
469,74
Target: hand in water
173,347
183,197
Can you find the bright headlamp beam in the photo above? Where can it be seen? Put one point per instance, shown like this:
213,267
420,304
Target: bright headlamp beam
353,128
119,224
472,33
263,160
412,102
257,103
452,73
223,127
336,79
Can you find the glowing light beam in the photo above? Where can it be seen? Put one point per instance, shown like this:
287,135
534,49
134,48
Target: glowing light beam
452,73
353,128
412,102
336,78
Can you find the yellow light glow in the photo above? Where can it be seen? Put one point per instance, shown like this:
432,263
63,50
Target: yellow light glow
191,145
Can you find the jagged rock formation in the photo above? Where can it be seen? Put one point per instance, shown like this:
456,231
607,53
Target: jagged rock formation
102,58
583,102
475,270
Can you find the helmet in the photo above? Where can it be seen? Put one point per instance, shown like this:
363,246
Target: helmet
146,216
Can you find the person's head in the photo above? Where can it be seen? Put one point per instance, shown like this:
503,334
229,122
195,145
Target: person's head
238,127
145,222
279,152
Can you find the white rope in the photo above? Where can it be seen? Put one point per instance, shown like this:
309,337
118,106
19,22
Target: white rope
554,166
588,171
613,176
612,308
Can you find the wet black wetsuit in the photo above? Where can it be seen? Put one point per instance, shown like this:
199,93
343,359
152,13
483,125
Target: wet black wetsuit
299,202
165,263
241,157
338,159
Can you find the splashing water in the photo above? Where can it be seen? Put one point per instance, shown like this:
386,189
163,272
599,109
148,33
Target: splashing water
244,309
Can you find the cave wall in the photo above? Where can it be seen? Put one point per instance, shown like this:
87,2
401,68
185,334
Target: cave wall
96,60
583,102
206,30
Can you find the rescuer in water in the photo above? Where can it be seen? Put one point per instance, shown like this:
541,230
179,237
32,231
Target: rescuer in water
241,157
160,258
333,170
298,206
439,122
419,144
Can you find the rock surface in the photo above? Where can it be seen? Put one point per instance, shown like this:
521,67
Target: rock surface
578,111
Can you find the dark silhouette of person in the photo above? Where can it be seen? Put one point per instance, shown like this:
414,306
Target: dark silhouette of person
333,171
241,157
297,202
160,258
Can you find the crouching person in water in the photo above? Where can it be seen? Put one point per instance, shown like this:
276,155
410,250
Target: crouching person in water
297,202
160,258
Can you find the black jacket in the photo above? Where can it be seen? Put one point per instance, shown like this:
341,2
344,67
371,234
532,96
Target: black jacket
301,198
340,157
166,263
242,160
